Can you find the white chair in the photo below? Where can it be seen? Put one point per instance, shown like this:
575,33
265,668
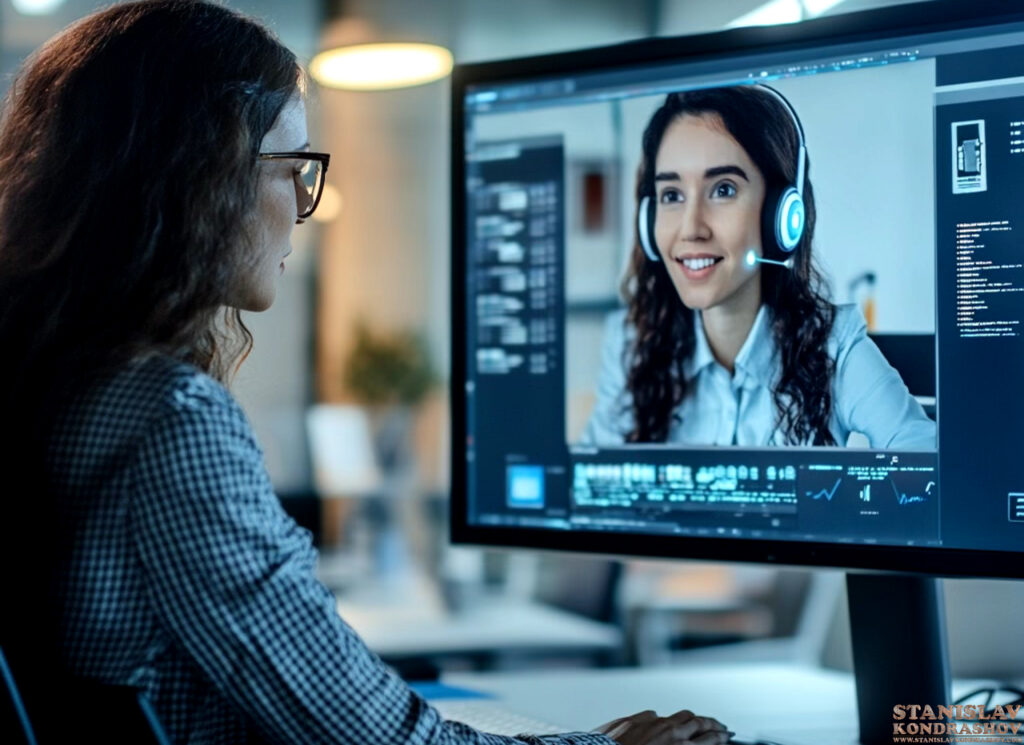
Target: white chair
341,449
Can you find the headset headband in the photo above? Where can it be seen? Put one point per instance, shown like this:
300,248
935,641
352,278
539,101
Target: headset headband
801,165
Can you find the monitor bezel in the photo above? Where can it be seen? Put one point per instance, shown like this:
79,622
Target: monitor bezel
871,25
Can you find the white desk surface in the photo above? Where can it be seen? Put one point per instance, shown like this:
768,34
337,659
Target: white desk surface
408,618
789,703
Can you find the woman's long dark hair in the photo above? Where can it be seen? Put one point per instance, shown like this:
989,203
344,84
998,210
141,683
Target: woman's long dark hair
128,179
127,172
802,316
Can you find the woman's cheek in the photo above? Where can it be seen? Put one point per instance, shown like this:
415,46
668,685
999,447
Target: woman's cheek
753,237
665,229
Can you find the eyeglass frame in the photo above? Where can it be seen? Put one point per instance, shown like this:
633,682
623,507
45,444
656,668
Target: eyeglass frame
323,158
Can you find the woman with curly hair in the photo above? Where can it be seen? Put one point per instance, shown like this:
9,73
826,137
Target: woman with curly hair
716,346
155,162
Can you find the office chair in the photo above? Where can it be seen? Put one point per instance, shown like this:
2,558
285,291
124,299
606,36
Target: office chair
14,724
156,729
115,715
804,609
587,586
913,356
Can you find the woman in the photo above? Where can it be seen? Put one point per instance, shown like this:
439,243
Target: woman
155,161
718,347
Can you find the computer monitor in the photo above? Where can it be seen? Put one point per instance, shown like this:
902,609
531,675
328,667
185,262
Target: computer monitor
751,296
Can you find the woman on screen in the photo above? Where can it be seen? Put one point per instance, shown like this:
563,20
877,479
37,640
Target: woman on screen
729,337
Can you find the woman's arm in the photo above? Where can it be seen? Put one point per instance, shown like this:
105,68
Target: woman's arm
870,395
232,577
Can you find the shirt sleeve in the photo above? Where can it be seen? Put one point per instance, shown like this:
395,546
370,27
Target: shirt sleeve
872,398
609,422
232,577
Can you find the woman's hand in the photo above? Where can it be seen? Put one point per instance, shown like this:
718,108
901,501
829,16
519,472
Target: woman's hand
682,728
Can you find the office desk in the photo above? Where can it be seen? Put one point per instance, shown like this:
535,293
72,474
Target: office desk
408,618
789,703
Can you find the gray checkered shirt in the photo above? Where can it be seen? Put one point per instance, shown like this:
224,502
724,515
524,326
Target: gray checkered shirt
187,579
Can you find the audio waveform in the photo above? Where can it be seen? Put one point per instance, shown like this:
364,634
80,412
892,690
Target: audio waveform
826,494
902,499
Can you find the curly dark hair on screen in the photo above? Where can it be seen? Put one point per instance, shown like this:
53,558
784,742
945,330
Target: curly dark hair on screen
802,315
128,175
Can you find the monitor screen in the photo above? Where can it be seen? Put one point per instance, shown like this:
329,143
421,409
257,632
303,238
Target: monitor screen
754,295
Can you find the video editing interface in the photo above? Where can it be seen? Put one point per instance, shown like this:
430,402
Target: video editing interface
607,390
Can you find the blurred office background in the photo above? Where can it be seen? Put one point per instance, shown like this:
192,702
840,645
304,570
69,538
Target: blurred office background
346,387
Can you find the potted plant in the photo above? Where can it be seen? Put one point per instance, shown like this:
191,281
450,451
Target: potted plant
389,373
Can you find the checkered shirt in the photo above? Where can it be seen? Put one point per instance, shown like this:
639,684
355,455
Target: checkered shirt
187,579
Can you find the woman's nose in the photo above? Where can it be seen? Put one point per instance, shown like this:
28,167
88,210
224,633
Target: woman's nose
692,226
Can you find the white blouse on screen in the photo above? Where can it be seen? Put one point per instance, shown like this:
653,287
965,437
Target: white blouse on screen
720,408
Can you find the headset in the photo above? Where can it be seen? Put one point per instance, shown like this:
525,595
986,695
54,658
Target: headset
783,216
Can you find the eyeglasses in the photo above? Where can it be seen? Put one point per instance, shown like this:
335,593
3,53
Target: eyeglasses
309,180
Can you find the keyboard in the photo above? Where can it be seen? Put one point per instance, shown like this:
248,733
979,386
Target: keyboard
488,716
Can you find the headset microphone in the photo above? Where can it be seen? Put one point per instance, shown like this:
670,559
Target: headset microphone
752,259
783,216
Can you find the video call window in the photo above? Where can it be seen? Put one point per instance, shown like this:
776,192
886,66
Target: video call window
709,344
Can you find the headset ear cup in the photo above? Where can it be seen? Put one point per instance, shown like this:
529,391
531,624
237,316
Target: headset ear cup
779,236
645,228
789,220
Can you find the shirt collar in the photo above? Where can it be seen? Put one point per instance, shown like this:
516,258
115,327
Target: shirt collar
756,357
702,355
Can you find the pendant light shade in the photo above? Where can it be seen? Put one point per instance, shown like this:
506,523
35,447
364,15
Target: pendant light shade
381,66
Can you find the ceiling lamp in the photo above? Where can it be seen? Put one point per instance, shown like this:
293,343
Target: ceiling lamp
36,7
380,66
783,11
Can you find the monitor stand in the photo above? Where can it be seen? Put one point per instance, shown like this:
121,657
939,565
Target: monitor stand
898,634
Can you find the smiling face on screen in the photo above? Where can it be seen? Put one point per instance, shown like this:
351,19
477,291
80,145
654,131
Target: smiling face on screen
709,196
